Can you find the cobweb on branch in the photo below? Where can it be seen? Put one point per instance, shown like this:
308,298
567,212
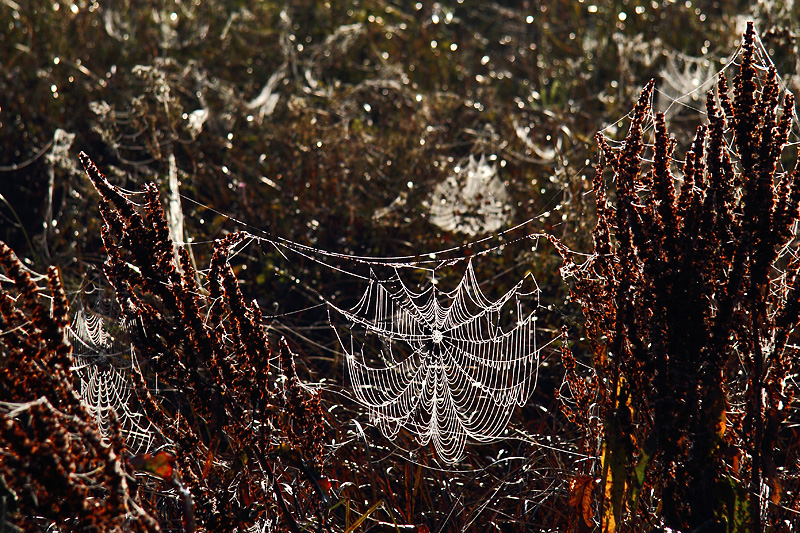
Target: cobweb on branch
103,363
683,91
682,84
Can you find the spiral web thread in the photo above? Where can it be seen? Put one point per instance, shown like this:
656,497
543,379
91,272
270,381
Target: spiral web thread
103,363
463,375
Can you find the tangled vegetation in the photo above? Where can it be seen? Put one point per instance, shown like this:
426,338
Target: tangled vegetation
671,401
690,301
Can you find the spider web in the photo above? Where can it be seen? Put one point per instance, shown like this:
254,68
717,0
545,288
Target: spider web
442,366
451,373
681,90
103,362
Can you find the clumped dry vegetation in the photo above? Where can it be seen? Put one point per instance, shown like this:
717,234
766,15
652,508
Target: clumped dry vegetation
55,464
690,302
671,401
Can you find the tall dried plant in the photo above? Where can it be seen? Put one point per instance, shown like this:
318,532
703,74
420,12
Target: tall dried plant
233,408
55,465
691,303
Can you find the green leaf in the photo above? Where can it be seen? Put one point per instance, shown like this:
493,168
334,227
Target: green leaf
638,476
733,507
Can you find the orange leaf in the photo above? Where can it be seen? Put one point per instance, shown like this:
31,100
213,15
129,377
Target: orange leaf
580,498
161,464
776,487
324,483
209,462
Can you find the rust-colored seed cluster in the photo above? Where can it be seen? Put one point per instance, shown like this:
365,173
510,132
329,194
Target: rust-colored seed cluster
54,465
691,302
226,418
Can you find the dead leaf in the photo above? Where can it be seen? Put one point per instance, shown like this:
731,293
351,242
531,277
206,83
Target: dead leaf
161,464
580,498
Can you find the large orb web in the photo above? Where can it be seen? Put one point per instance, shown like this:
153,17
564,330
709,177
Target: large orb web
103,364
449,367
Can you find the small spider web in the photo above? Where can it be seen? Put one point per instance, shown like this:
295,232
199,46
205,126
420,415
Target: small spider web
681,89
103,363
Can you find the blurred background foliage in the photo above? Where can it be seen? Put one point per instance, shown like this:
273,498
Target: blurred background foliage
331,124
327,123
